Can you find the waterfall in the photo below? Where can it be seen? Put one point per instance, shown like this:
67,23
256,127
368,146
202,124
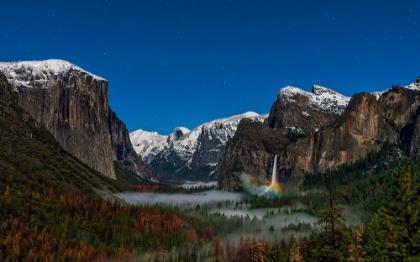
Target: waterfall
274,174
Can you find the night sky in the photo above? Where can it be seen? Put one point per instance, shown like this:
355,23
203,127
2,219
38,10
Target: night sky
181,63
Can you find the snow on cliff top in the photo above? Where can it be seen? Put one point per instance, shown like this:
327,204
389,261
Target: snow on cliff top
377,94
321,97
234,118
413,86
24,71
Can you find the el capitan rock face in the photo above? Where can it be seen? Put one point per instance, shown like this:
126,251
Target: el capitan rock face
73,105
29,151
7,96
366,123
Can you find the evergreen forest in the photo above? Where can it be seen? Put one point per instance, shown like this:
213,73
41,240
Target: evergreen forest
55,208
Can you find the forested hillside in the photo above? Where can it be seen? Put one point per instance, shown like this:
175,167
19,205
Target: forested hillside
55,208
52,205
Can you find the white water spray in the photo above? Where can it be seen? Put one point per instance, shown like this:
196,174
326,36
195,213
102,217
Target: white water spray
273,175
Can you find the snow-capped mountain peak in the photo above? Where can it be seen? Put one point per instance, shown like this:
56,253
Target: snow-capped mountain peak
148,144
415,85
178,133
205,143
290,91
27,73
320,98
248,114
321,90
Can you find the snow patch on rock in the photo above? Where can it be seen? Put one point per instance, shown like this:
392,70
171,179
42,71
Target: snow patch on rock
29,73
414,86
377,94
321,98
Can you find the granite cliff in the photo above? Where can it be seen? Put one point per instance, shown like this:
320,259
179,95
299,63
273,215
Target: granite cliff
31,157
73,106
7,96
250,150
304,112
335,138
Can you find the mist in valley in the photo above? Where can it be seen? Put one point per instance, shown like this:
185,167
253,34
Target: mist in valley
261,223
180,200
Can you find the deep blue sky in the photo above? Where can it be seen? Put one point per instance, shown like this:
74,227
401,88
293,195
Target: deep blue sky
181,63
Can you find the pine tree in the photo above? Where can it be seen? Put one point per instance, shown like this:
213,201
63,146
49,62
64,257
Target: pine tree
217,248
248,248
331,242
146,258
194,253
240,250
394,232
356,250
7,191
294,254
230,251
257,251
275,253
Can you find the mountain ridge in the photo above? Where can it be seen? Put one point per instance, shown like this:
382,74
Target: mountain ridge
185,151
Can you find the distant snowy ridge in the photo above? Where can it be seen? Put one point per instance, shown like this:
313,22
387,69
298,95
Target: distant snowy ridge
321,98
148,144
27,73
178,133
413,86
221,129
204,143
328,99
